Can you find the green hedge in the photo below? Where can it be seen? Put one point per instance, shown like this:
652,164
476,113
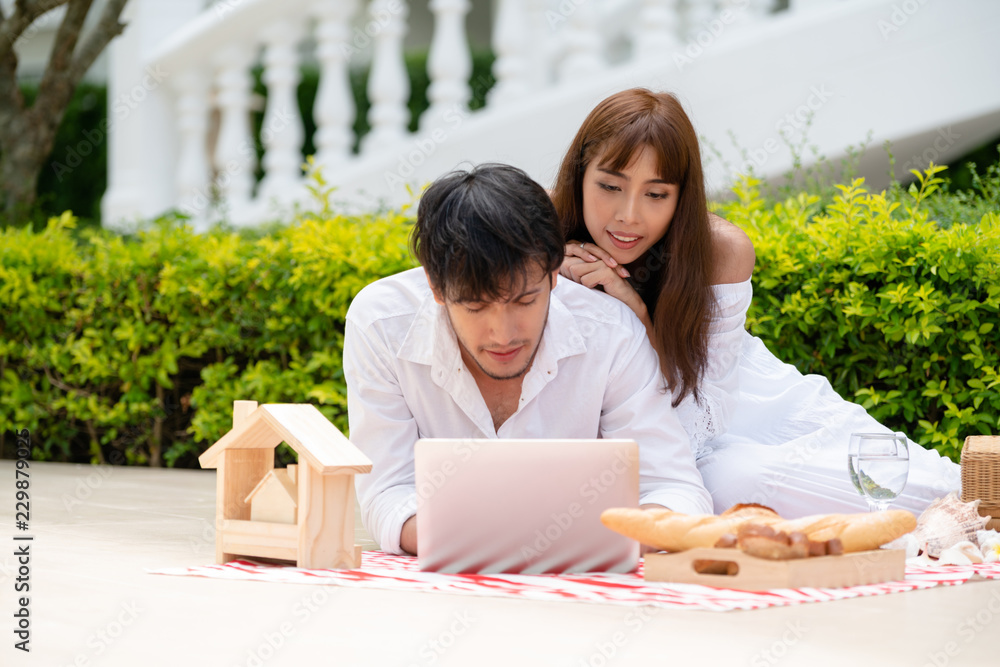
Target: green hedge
898,311
132,349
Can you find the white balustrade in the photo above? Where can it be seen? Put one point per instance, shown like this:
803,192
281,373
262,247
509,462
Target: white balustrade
449,63
657,29
388,83
193,170
281,131
235,157
536,42
334,110
511,46
583,56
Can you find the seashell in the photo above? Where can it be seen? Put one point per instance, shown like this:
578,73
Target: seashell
963,553
923,560
907,543
983,535
946,522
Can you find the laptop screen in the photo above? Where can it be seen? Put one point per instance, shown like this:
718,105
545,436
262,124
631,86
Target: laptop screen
530,506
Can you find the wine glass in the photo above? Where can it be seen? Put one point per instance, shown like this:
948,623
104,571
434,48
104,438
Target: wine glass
878,464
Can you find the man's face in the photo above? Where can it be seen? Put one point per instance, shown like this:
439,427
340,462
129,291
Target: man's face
500,338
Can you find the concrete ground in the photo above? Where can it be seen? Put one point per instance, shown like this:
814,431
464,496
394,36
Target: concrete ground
97,530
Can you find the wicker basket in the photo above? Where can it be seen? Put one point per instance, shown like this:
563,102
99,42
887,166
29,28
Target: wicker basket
993,511
981,475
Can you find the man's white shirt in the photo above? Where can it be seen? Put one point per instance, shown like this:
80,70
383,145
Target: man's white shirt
594,375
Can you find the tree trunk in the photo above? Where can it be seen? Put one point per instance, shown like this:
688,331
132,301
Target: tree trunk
27,134
156,445
20,165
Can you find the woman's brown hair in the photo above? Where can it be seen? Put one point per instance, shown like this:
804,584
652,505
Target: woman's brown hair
673,277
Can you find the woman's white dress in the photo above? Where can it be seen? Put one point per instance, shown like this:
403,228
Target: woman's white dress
765,433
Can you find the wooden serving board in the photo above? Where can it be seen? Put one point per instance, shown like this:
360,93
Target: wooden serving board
749,573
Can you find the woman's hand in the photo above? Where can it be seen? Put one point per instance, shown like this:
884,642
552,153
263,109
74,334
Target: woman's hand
591,266
588,252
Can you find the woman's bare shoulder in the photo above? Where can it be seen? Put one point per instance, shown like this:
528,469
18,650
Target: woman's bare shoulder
734,256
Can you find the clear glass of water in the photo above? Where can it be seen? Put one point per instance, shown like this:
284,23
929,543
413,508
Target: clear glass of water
878,464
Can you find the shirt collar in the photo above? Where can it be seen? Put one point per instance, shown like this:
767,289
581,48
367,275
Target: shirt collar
430,339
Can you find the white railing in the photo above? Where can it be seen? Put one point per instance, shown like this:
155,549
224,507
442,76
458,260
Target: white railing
538,44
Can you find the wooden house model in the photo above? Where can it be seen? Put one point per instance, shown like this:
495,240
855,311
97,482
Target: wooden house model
303,513
276,497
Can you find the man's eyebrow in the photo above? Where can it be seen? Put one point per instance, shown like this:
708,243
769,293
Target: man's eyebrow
612,172
530,292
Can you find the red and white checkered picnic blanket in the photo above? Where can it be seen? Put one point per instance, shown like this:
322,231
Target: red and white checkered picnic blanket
382,570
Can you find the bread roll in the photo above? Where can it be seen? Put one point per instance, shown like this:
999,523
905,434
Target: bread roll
749,510
766,542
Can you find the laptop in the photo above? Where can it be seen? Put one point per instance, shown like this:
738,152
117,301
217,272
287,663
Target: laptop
524,506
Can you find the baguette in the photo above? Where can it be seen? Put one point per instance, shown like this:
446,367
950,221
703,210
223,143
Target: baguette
675,531
856,532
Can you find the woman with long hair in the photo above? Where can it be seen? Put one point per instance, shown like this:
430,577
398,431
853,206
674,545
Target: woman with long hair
631,200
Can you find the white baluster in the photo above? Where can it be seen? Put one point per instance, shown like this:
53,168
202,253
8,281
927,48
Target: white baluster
334,111
235,158
739,13
805,5
449,63
388,83
542,48
510,43
193,172
697,16
281,131
760,9
584,44
657,29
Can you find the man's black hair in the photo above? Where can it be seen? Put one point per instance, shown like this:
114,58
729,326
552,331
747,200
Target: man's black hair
480,233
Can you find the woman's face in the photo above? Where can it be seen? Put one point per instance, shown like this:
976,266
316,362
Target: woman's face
627,212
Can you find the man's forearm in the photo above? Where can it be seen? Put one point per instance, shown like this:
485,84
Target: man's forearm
408,536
